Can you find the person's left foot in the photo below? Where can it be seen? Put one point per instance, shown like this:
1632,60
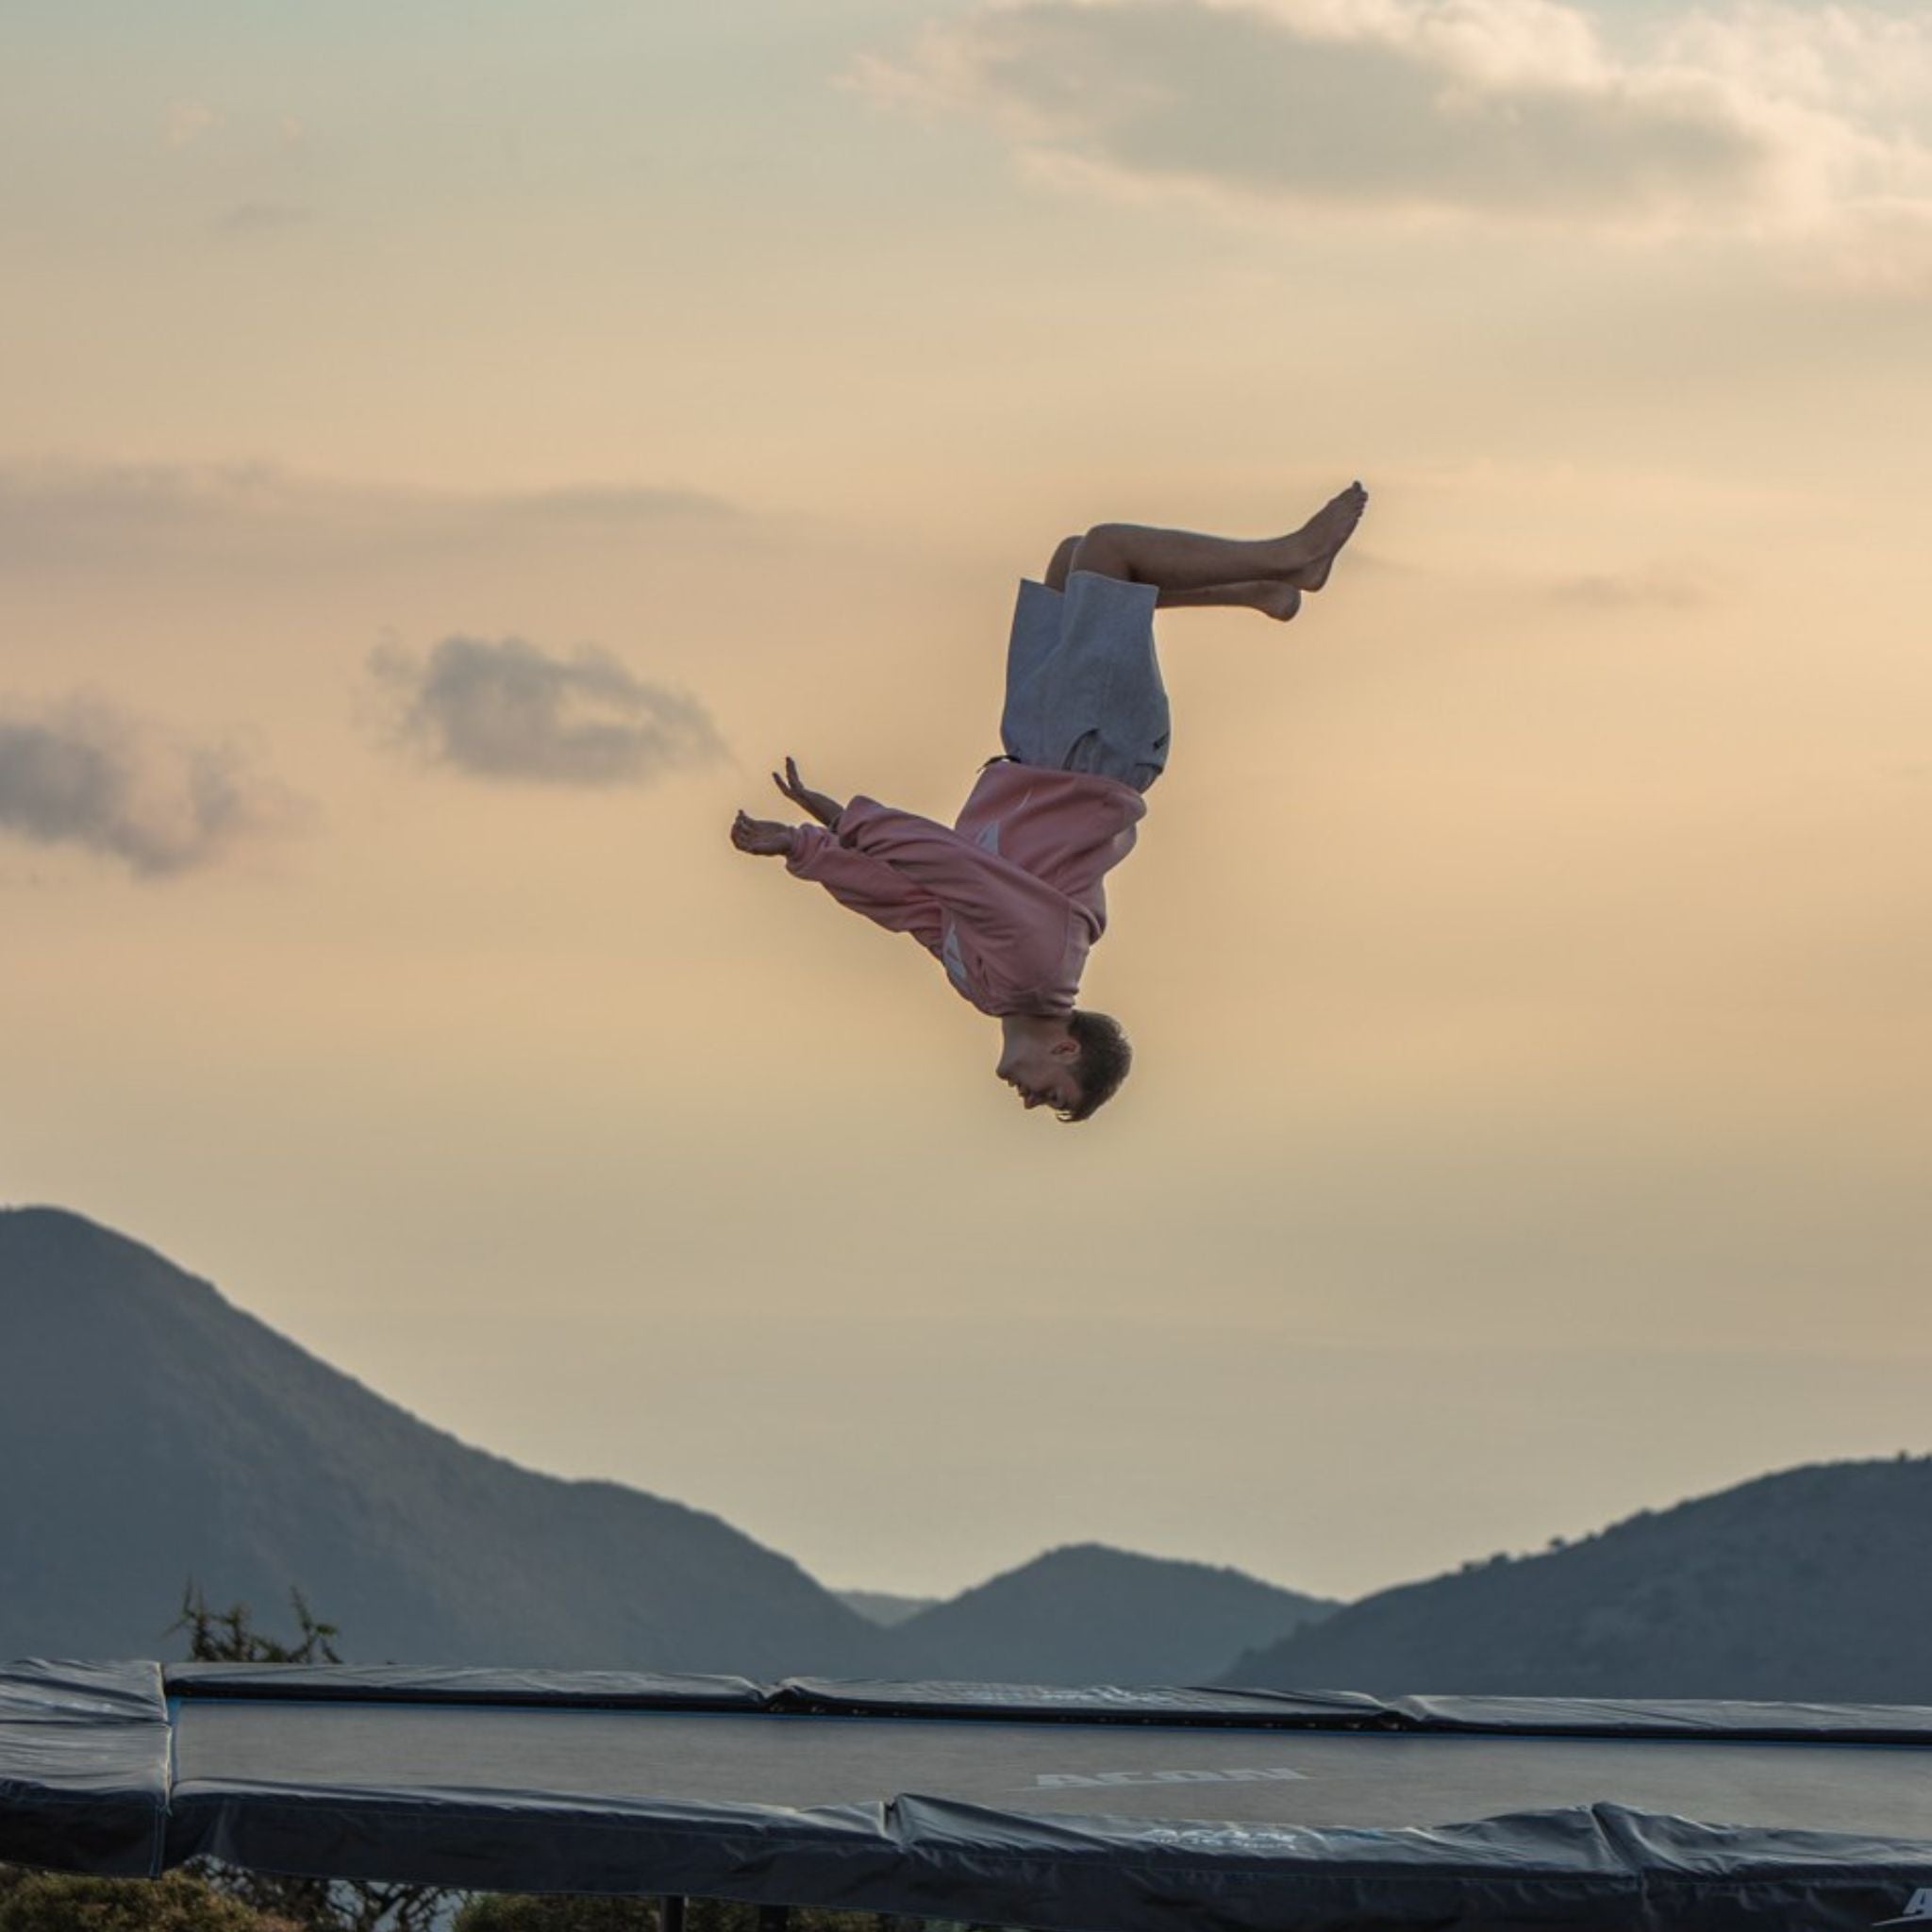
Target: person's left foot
1309,553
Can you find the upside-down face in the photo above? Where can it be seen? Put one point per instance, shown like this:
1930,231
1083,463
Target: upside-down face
1041,1076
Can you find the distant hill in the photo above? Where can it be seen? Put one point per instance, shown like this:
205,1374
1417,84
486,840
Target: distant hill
1092,1615
149,1432
1814,1584
882,1607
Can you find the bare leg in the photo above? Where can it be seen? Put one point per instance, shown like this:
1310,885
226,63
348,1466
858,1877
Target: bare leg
1186,561
1277,598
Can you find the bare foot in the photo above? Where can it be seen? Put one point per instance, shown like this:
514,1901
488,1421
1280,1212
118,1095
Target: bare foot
1309,553
1280,600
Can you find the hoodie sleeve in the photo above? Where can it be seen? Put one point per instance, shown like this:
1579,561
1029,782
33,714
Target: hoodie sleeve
991,894
865,885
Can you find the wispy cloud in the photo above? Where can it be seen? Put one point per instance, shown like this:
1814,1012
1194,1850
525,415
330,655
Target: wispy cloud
57,515
250,218
88,773
1656,587
186,122
503,708
1766,118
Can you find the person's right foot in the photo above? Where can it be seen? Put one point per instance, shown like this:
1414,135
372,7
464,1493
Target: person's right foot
1309,553
1280,600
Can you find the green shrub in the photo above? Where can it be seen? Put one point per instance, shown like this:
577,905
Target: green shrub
180,1902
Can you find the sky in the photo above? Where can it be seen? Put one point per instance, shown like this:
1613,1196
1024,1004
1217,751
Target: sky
450,454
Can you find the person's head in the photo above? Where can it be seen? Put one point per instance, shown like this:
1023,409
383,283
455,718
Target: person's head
1074,1065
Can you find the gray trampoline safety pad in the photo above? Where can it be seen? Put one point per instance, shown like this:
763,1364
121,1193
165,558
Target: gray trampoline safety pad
1082,1809
1378,1779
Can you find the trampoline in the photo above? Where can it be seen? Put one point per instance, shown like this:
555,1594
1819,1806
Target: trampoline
1069,1810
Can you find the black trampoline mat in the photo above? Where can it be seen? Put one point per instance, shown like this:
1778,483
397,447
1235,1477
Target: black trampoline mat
1245,1775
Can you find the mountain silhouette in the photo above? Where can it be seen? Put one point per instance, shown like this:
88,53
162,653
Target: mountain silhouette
151,1432
1808,1585
1088,1614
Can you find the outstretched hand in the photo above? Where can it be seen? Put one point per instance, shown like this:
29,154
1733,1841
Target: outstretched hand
767,838
821,807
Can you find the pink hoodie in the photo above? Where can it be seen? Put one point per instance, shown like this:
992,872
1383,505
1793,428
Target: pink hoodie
1008,900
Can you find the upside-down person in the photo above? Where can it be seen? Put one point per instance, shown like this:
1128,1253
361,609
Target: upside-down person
1009,898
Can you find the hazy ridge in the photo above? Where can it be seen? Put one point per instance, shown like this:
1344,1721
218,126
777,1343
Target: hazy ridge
884,1607
1812,1584
155,1432
152,1432
1094,1615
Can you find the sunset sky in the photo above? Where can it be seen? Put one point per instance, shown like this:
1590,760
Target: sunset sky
450,453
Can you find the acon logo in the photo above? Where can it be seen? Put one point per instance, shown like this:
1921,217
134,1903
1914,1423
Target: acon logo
1259,1773
1918,1910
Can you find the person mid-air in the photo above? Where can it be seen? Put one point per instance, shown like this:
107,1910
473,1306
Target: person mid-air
1009,899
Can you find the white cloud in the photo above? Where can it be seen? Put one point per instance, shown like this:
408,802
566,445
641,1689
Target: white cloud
1772,120
506,709
1857,62
88,773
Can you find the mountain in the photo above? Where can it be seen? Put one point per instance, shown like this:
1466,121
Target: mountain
882,1607
1092,1615
151,1432
1811,1584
